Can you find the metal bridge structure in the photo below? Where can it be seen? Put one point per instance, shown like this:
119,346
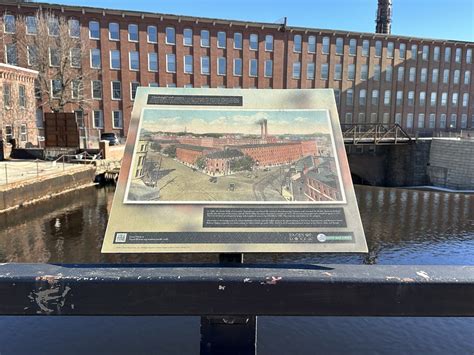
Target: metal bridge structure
374,133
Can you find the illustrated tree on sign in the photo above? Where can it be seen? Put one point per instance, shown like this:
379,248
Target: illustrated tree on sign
52,45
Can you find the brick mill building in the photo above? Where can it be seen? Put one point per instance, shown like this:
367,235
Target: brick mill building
17,107
422,84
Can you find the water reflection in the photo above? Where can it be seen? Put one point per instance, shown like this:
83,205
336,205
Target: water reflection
401,226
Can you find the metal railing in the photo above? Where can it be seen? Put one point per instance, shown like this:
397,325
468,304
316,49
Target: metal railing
229,297
374,133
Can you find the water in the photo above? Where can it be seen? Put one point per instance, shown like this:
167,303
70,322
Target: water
402,227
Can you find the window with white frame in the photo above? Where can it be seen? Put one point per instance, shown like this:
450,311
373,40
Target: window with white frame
221,39
422,100
297,39
378,48
116,90
134,61
23,132
324,71
114,31
188,86
465,99
171,85
402,50
453,121
76,89
54,57
432,121
338,72
454,99
386,117
253,42
205,69
237,40
337,96
398,118
132,32
339,46
75,54
421,120
95,58
444,99
446,76
117,120
434,76
423,75
375,97
269,43
436,54
458,55
94,30
152,34
98,119
21,96
377,72
456,76
351,72
409,120
433,99
170,63
237,66
414,51
253,67
325,46
74,28
153,62
442,120
11,54
447,54
312,44
412,74
425,53
400,73
399,99
205,40
352,47
170,35
467,77
31,25
365,48
153,85
296,70
188,64
411,98
56,88
9,23
221,66
310,71
463,121
349,97
362,97
361,117
388,73
390,49
115,59
133,89
364,72
348,117
268,72
96,89
188,37
469,56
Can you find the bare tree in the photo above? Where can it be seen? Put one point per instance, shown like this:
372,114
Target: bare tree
52,45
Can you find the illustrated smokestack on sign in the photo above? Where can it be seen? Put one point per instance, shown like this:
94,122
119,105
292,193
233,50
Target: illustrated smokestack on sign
263,128
384,17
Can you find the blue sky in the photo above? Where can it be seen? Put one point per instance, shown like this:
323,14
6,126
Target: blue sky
445,19
235,121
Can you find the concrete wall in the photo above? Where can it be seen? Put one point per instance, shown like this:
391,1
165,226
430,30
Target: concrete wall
451,163
19,193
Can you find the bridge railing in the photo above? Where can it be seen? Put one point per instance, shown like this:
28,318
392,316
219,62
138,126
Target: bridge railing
374,133
228,298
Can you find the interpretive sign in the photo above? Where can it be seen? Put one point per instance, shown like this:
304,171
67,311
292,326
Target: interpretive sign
214,170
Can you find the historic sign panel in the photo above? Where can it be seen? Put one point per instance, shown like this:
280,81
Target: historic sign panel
209,170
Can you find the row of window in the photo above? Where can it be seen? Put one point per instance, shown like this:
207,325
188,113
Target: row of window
421,121
8,99
98,119
170,38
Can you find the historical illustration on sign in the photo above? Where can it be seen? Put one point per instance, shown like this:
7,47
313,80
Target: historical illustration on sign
234,171
234,155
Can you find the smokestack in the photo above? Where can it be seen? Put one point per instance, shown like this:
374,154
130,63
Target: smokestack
384,17
261,130
265,128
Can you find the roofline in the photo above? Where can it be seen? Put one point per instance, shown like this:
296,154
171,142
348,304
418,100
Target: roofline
14,67
229,22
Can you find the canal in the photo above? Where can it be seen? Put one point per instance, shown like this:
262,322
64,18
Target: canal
402,227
